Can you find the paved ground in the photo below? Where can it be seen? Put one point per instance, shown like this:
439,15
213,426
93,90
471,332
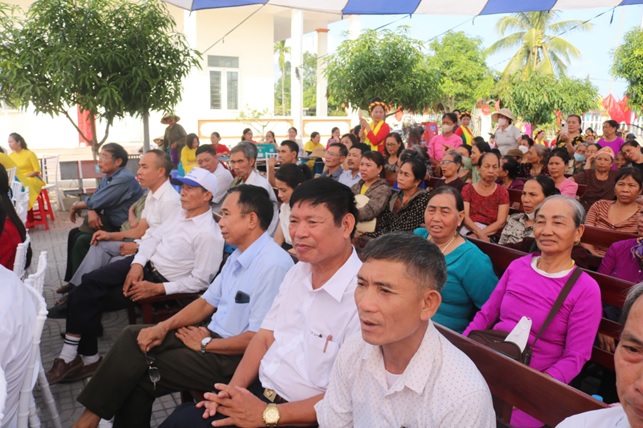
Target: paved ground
54,241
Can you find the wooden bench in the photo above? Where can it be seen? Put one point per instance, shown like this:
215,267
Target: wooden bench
613,292
515,199
600,237
513,384
582,188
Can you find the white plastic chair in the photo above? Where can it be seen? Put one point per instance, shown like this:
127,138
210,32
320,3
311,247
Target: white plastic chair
27,414
49,166
11,172
20,262
38,277
20,199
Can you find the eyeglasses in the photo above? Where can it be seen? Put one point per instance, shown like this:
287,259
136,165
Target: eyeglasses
152,371
104,156
332,155
446,162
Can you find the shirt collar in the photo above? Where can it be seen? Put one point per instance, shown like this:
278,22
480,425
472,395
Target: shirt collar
163,188
420,370
201,218
336,286
245,258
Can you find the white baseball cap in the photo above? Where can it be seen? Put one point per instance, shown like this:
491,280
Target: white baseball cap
199,177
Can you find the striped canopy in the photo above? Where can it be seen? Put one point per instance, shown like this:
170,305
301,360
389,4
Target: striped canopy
408,7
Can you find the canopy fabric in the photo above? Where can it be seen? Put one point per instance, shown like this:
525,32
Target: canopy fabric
409,7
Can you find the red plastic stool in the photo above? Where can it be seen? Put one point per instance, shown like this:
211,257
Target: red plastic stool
37,215
48,210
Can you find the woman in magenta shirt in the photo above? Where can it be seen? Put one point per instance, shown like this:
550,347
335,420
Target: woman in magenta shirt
530,286
447,141
609,138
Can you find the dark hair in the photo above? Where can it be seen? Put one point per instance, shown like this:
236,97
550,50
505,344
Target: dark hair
6,206
496,152
19,140
444,190
635,173
377,158
468,147
580,121
362,147
243,134
206,148
483,147
164,160
529,140
314,134
293,128
547,185
477,140
598,146
355,131
491,153
294,147
337,198
351,137
255,199
512,166
343,151
418,168
632,296
457,157
612,123
423,261
560,153
632,143
408,154
290,174
189,140
398,140
332,131
466,113
452,116
216,134
117,151
270,132
2,150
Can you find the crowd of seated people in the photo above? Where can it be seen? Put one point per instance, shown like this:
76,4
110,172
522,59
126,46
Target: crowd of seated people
372,193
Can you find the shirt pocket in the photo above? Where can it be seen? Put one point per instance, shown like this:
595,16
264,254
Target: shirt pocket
321,356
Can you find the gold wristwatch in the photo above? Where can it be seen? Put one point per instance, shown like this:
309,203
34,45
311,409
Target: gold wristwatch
271,415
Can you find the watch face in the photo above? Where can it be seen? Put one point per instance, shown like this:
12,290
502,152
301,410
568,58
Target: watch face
271,415
205,341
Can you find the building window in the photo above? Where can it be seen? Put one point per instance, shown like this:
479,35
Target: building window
224,82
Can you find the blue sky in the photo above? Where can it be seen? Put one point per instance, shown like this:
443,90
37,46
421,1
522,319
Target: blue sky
596,46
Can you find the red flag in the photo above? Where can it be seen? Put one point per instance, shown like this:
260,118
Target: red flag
85,118
613,108
628,116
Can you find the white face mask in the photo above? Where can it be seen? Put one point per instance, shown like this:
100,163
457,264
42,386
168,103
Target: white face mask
502,121
531,216
447,128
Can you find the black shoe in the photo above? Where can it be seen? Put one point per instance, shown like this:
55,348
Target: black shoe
58,312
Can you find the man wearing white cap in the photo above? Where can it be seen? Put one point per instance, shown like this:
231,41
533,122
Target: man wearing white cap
181,255
507,136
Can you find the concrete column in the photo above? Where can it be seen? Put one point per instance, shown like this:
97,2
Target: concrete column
296,69
354,27
322,82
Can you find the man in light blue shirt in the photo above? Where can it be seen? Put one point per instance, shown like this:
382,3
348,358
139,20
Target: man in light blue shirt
194,358
351,176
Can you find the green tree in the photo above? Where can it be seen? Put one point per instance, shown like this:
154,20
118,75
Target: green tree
459,60
536,98
539,48
627,64
281,50
282,98
385,64
111,58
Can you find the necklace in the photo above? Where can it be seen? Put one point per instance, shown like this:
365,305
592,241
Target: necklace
443,249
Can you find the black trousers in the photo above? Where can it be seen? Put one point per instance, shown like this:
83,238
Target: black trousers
121,387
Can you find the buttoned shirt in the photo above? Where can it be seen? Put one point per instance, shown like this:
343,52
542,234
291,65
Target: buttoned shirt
160,205
257,180
347,178
335,175
17,323
440,387
186,251
516,229
224,181
308,326
114,195
246,287
507,139
612,417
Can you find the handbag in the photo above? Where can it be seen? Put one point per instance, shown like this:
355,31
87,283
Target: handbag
495,339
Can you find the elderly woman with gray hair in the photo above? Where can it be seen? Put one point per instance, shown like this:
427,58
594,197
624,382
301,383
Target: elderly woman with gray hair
531,285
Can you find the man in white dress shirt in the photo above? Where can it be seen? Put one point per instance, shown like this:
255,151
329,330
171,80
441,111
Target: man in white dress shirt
628,364
286,368
401,372
243,158
207,158
180,256
17,322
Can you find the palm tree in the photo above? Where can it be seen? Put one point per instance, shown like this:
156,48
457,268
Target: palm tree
539,46
281,50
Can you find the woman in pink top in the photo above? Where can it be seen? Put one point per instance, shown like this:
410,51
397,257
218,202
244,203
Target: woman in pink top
609,138
448,140
530,286
556,165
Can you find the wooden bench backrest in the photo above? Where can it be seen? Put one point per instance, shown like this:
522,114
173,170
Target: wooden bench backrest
513,384
601,237
515,197
581,190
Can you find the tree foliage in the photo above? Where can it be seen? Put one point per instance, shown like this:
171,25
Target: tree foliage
459,60
539,48
385,64
628,59
111,58
536,98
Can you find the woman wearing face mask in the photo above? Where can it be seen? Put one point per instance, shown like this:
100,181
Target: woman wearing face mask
598,176
507,136
556,165
520,225
463,130
376,131
448,140
579,157
632,152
